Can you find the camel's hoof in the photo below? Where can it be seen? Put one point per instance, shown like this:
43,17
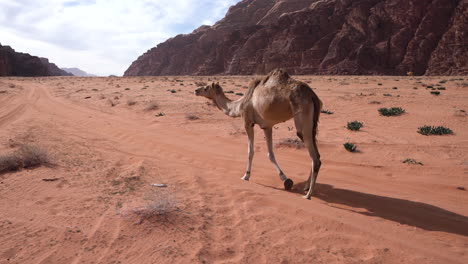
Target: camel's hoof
288,184
306,197
245,178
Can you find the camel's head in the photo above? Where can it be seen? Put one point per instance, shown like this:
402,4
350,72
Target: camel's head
209,91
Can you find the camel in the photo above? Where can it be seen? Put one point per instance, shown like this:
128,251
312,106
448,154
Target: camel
271,100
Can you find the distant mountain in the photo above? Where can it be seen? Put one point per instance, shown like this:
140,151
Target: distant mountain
14,63
78,72
383,37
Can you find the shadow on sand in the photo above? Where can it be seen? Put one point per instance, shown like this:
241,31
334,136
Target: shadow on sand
417,214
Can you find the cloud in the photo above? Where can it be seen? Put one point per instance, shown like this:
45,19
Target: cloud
100,36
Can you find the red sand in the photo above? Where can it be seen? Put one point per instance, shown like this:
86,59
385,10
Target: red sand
369,206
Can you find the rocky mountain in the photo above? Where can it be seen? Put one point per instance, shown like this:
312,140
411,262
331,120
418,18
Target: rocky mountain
78,72
390,37
14,63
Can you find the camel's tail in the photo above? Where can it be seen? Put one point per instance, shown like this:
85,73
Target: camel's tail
317,109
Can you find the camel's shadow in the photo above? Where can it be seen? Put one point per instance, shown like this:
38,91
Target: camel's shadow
403,211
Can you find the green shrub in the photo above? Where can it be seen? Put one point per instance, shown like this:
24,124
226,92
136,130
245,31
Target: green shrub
394,111
326,112
433,130
354,125
350,147
435,92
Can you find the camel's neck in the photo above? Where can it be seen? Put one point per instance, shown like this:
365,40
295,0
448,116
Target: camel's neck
229,107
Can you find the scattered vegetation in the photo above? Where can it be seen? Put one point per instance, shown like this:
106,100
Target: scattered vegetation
435,92
131,102
350,147
291,143
328,112
240,94
192,117
26,156
394,111
387,95
354,125
127,89
229,92
433,130
152,105
200,83
158,203
395,88
374,102
111,103
412,161
160,114
379,84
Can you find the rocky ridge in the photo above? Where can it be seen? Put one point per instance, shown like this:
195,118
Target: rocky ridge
14,63
384,37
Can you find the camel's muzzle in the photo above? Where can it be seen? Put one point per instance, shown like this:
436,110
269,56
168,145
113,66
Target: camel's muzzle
197,92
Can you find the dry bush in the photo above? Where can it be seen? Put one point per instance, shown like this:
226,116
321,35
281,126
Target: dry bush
26,156
158,203
110,102
131,102
152,105
200,83
33,156
290,143
192,117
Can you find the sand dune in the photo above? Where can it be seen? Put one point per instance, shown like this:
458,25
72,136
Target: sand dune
107,149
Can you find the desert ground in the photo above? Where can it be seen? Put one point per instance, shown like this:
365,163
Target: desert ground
109,139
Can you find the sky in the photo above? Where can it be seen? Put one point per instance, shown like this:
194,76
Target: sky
101,37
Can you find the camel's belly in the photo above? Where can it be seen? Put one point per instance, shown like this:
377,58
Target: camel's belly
273,110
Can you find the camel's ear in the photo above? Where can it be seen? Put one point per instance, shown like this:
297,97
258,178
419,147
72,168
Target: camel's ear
217,83
212,84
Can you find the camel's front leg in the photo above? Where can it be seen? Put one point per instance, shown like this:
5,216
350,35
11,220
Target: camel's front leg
250,134
288,183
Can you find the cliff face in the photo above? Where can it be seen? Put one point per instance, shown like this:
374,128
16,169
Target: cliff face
14,63
320,37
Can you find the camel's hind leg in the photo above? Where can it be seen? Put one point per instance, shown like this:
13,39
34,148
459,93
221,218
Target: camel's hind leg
303,121
288,183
